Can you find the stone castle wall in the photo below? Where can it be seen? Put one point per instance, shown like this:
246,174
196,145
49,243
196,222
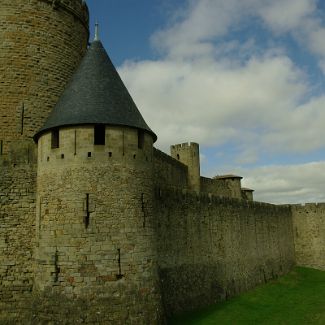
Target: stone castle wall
115,227
210,249
168,172
42,42
309,234
215,187
221,187
95,234
17,231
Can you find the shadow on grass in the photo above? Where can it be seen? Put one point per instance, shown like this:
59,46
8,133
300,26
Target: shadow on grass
297,298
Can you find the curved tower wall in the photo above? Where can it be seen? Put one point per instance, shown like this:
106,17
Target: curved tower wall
42,42
95,224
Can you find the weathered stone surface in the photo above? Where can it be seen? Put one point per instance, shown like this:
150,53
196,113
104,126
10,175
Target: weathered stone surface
17,235
42,42
212,249
119,233
96,239
309,234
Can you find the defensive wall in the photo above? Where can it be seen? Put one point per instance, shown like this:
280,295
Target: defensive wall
94,224
17,229
212,248
168,171
226,186
118,233
204,248
309,234
218,243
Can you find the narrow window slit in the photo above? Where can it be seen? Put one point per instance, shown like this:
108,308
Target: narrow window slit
75,142
87,216
62,155
56,267
119,275
123,142
143,210
109,154
89,154
22,119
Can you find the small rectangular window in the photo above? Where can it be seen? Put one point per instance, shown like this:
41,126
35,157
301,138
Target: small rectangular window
55,139
140,139
99,134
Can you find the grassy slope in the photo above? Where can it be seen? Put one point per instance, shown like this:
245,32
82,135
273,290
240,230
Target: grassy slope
297,298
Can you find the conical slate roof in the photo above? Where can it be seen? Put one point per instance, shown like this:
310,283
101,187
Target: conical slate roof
95,95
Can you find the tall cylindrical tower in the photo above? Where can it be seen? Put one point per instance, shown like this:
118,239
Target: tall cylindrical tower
95,231
42,43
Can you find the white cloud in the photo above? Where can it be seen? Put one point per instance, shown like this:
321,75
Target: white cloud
204,20
300,130
315,38
212,102
287,184
286,15
236,92
300,18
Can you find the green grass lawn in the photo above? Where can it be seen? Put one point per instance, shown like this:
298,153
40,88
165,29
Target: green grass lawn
297,298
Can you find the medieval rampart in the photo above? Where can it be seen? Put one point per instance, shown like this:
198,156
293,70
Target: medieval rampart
215,187
168,171
213,248
94,226
104,227
309,234
17,231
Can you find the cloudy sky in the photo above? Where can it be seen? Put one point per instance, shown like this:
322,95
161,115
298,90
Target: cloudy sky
244,78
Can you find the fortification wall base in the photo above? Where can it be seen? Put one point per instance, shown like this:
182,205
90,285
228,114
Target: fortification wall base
51,308
210,249
17,236
309,234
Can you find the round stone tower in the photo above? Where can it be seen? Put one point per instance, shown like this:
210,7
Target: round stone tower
94,222
42,43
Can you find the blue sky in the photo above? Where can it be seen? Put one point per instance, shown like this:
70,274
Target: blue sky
244,78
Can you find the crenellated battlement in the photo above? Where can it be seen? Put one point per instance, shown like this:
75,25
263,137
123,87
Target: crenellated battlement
210,199
306,206
189,155
77,145
185,146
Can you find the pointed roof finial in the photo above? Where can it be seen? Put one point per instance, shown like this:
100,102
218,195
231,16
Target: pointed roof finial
96,31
